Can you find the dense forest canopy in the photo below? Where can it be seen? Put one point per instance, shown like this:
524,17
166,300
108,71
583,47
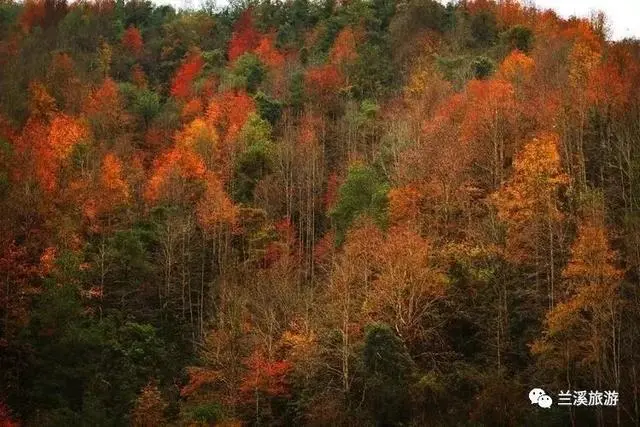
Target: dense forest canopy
316,212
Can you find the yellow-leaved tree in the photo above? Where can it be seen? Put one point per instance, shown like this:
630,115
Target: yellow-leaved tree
580,343
529,205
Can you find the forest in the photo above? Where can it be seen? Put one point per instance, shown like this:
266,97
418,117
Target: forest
316,213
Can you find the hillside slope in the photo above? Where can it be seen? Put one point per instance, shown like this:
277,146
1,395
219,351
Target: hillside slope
372,212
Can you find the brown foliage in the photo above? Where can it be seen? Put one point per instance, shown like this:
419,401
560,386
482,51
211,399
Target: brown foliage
149,409
138,76
41,104
404,205
407,284
18,273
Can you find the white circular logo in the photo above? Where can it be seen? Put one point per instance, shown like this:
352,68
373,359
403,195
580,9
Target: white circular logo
540,397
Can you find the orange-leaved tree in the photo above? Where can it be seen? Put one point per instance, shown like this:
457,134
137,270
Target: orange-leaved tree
407,286
229,111
344,50
584,57
47,146
138,76
350,284
172,173
216,210
105,109
149,408
529,205
489,126
404,206
111,192
268,53
581,338
194,150
517,68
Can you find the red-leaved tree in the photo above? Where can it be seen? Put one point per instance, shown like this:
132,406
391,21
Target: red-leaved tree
182,83
244,38
132,41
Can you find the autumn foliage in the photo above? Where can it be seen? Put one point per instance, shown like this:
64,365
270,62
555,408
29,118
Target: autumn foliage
228,112
264,376
111,181
528,203
172,171
579,329
216,209
344,50
404,205
244,37
33,15
268,53
105,106
48,144
182,83
18,275
132,41
348,213
149,409
138,76
517,67
323,82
